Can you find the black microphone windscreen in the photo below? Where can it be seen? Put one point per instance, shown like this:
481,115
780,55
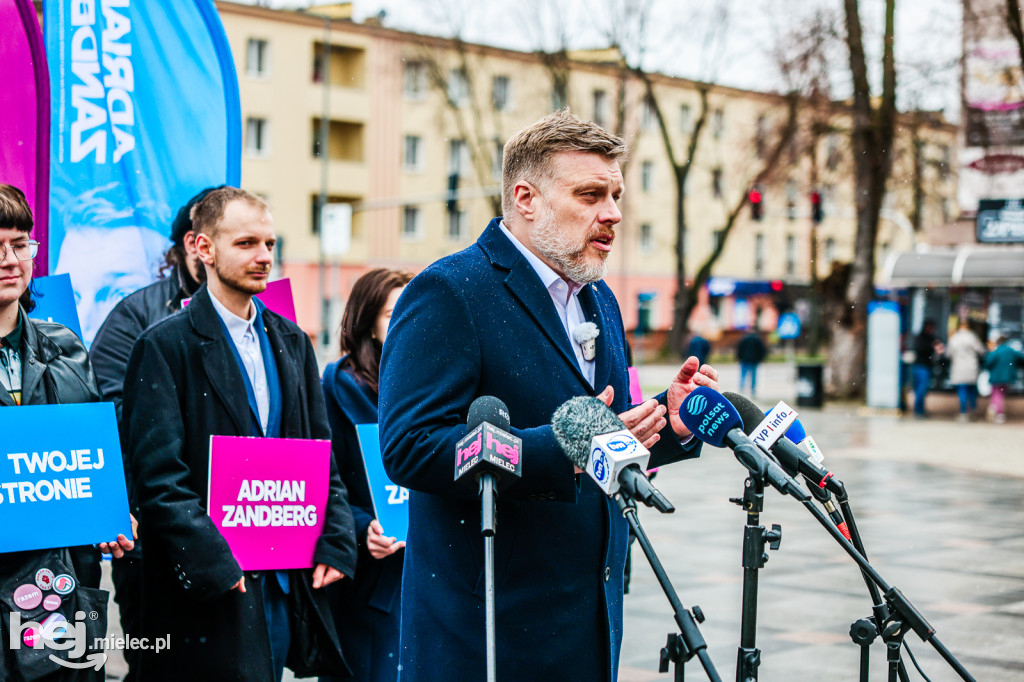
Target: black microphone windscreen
488,409
750,413
577,421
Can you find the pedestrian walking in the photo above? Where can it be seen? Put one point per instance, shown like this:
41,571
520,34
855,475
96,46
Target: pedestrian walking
965,352
926,347
750,352
1002,364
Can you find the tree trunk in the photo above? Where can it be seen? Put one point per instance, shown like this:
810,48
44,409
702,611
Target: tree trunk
873,133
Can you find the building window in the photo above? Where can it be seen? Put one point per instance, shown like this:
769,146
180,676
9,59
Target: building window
257,136
944,161
718,123
344,143
649,114
759,254
414,80
601,108
500,93
833,155
646,238
457,226
257,58
458,87
790,254
762,136
830,250
412,225
792,196
412,155
647,176
717,183
343,65
684,119
458,157
828,199
559,96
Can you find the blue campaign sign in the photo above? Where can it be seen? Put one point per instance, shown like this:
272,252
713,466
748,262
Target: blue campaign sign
789,326
390,501
55,301
61,477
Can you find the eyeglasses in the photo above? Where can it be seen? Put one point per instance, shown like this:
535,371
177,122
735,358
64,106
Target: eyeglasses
25,250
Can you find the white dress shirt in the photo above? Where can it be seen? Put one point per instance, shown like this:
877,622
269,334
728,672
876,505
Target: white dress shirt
565,297
244,337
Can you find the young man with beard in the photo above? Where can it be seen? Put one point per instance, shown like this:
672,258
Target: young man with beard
109,356
188,378
497,319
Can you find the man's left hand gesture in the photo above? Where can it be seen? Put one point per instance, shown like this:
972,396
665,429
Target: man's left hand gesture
690,376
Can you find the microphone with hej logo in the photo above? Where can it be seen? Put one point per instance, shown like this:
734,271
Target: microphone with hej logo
488,458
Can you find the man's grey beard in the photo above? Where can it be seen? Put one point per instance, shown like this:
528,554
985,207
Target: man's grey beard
558,248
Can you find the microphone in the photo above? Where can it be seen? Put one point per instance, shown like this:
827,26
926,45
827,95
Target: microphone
596,440
714,420
488,448
792,458
798,435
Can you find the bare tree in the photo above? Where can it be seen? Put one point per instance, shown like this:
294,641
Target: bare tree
1013,22
872,134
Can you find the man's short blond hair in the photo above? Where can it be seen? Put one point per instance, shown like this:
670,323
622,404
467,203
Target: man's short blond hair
207,214
527,154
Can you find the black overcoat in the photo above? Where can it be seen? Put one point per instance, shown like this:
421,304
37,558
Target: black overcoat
182,386
478,323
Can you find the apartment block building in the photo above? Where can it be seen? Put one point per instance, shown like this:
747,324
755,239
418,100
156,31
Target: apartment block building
412,129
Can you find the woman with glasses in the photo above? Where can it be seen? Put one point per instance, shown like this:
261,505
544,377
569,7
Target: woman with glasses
366,609
41,363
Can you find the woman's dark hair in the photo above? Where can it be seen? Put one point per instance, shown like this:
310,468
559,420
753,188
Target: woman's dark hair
16,213
369,295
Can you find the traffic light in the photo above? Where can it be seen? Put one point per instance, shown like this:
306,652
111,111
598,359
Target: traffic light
816,213
755,204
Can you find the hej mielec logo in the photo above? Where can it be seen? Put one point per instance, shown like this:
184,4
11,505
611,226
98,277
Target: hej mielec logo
57,634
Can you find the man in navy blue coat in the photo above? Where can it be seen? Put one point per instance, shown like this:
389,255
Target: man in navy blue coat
497,319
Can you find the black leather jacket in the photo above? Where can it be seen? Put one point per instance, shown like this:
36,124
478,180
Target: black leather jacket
55,366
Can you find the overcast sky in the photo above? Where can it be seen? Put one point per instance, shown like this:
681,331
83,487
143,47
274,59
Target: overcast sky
928,38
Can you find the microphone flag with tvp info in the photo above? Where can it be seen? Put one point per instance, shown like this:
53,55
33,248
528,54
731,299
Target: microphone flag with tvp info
488,447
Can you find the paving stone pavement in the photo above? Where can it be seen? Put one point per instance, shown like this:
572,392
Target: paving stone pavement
940,505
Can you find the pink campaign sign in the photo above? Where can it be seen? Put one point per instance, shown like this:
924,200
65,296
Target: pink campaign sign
277,297
267,497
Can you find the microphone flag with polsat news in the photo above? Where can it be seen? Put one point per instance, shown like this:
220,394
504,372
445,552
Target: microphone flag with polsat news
711,418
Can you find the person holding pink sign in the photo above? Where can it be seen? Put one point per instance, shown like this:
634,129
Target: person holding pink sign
367,609
227,366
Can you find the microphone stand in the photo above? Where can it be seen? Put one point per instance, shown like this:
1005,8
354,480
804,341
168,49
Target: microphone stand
488,507
755,537
863,632
902,613
680,648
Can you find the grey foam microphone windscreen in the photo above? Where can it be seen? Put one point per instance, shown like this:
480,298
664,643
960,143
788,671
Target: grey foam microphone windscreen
577,421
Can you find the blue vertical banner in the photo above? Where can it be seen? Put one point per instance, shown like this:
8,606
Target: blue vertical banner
145,113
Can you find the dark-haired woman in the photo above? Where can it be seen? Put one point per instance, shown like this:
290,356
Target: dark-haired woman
41,363
367,609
